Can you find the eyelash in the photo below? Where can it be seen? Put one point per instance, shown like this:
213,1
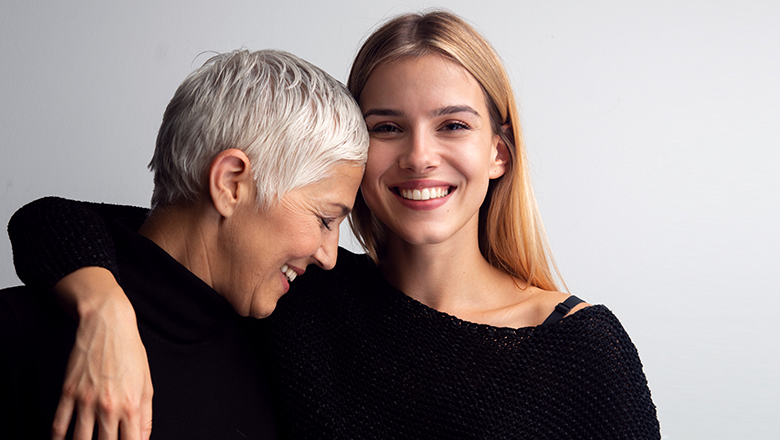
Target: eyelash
383,128
326,222
458,125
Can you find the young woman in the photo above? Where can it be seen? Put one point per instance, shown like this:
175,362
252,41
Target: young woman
453,328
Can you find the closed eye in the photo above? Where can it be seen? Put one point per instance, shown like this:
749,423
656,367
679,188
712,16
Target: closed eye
326,222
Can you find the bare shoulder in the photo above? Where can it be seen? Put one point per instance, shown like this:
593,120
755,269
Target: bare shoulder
529,309
515,306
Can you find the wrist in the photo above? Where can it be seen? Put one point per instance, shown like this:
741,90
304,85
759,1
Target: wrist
90,292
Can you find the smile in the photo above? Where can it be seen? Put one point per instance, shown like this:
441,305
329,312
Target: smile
424,193
289,273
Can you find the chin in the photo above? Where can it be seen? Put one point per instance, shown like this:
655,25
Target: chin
420,238
263,309
262,312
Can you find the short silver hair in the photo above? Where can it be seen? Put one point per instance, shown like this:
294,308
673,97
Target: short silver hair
293,120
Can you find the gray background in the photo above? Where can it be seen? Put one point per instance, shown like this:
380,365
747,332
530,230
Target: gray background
652,130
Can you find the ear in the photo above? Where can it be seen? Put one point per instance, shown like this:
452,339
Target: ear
501,156
230,181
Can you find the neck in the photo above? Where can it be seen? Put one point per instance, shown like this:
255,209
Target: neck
448,277
185,233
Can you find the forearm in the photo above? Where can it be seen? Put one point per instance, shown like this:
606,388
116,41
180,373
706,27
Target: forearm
52,237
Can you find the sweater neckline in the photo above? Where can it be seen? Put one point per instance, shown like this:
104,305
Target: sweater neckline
421,308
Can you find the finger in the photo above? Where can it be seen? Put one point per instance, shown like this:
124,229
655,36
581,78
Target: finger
109,431
146,416
108,418
85,423
62,416
130,423
130,429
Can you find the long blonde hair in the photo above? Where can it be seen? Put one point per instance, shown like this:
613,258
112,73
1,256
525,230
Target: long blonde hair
511,236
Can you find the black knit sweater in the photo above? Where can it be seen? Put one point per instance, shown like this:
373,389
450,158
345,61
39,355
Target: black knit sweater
352,357
208,378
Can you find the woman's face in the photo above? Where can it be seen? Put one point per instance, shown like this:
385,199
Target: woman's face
432,151
266,250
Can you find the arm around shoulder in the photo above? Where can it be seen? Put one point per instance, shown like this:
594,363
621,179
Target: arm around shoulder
52,237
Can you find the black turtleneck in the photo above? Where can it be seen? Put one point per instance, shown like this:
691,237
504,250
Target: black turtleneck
208,380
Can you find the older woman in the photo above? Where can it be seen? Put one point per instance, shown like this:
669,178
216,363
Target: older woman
257,161
454,327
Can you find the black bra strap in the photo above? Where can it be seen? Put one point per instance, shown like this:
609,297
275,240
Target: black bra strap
562,309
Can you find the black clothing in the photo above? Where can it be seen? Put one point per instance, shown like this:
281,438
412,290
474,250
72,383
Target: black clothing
355,358
352,357
562,309
207,376
36,337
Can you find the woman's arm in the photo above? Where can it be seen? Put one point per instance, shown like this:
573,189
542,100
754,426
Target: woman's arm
52,237
107,380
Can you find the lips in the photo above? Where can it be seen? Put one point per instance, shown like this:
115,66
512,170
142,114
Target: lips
423,195
422,190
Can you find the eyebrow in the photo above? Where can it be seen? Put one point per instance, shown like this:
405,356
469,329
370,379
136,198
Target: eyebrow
345,210
448,110
382,112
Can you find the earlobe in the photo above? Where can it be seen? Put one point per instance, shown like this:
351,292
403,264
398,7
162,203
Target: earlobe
230,181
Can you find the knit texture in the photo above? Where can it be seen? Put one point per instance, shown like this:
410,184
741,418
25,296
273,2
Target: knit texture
53,237
352,357
356,358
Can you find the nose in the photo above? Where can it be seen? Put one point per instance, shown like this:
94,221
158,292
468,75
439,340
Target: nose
326,254
419,153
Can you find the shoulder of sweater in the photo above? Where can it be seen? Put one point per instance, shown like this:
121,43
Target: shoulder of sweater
595,318
596,328
349,258
351,266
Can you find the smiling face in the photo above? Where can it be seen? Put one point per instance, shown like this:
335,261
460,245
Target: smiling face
432,150
261,252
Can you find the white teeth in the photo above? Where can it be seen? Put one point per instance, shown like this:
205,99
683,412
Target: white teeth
289,273
424,194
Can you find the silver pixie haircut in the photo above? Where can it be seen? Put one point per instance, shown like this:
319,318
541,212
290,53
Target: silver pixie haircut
294,122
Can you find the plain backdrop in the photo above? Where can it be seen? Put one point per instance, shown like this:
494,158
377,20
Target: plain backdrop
651,126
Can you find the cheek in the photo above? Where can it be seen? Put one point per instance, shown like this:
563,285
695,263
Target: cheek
372,190
474,160
381,157
304,240
377,166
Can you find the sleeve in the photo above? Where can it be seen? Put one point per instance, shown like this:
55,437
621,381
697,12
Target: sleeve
52,237
623,403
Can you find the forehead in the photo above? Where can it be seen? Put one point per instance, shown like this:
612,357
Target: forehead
336,190
428,80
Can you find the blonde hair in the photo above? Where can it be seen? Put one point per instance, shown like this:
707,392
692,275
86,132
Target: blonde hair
511,236
293,120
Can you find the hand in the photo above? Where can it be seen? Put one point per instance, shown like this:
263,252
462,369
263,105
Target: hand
107,380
